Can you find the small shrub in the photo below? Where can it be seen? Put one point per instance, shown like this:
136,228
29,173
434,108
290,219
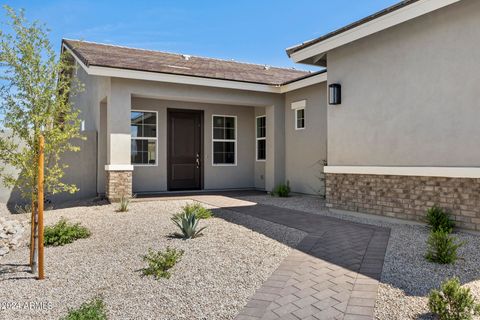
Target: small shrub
438,219
124,203
282,190
453,302
187,222
196,208
160,262
93,310
63,233
442,247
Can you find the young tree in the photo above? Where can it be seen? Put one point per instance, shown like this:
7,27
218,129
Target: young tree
34,100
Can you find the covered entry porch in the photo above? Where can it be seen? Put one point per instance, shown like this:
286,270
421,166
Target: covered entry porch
162,137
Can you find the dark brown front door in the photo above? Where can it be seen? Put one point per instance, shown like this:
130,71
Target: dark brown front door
185,149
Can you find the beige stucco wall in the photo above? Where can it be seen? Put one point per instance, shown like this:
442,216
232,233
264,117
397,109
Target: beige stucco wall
81,171
154,178
306,150
95,89
410,94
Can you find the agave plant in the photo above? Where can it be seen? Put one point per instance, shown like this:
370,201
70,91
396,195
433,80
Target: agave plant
188,223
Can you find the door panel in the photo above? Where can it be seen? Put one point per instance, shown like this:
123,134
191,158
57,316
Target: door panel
185,149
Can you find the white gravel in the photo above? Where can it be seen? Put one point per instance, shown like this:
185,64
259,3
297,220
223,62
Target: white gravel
407,277
4,210
12,234
217,274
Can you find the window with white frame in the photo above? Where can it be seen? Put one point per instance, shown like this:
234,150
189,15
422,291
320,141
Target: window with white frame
224,140
300,118
143,129
261,137
299,109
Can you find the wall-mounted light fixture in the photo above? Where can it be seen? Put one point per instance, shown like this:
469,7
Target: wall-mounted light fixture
334,94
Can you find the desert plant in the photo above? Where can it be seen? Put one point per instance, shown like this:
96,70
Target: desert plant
160,262
124,203
282,190
438,219
188,223
453,302
321,178
22,209
63,233
93,310
196,208
442,247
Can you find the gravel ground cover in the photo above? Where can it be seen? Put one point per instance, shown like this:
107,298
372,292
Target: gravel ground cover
217,274
407,277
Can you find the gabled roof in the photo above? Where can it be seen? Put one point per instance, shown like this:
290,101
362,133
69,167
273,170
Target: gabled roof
391,16
376,15
103,55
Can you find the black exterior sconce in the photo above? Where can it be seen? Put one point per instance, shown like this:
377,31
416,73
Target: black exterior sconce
335,94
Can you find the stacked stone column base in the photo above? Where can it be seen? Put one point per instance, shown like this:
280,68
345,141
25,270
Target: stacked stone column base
118,185
406,197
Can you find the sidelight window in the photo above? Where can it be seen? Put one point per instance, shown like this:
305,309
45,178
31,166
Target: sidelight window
261,138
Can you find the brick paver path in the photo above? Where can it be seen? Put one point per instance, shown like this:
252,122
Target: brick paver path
332,274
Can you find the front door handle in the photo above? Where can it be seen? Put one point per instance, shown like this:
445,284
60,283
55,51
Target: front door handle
197,160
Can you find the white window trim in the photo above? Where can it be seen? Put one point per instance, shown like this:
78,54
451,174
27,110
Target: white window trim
296,118
299,105
225,140
145,138
257,139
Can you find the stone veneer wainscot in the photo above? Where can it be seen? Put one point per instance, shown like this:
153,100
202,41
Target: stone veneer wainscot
118,184
406,197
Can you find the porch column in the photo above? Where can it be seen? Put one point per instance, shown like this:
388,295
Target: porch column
275,164
118,169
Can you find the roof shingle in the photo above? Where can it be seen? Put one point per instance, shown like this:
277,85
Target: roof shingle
95,54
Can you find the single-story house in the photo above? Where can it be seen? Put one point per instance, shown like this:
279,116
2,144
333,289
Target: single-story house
390,126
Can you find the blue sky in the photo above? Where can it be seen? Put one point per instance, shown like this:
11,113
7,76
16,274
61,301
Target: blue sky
255,31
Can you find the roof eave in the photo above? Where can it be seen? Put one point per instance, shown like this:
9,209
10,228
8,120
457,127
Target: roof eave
310,51
195,80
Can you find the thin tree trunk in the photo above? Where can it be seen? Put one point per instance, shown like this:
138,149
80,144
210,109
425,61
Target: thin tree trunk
32,232
40,201
34,235
35,245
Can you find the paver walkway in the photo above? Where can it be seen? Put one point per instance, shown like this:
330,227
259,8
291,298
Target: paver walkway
332,274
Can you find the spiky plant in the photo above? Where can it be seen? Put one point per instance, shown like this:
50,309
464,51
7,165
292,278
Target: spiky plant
196,208
439,219
124,203
187,222
442,247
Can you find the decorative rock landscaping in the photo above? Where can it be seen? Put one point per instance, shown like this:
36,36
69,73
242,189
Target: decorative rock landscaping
217,274
221,270
12,234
